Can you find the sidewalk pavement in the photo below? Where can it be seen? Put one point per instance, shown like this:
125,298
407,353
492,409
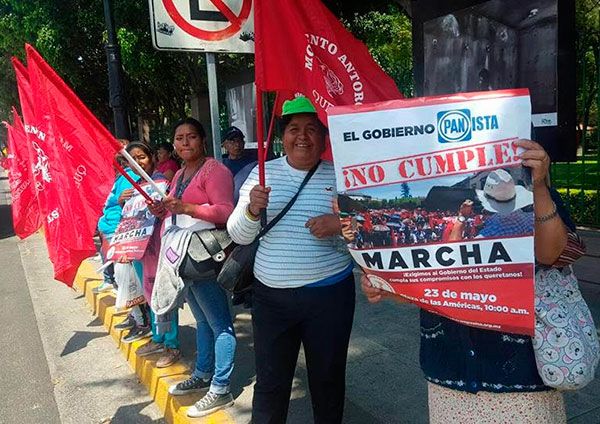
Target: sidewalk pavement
384,382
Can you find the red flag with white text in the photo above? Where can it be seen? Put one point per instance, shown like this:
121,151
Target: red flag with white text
30,125
25,208
300,46
72,156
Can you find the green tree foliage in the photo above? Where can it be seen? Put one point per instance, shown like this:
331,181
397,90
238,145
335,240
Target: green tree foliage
588,61
387,32
405,191
70,35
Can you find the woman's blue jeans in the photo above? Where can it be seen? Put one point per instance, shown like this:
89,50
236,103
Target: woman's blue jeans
215,336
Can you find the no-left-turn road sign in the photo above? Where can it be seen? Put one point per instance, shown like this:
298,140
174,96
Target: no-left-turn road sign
203,25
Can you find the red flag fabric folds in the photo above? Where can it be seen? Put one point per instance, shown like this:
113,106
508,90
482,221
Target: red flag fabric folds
25,209
300,46
25,95
71,153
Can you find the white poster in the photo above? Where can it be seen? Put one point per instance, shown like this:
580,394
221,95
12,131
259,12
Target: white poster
436,205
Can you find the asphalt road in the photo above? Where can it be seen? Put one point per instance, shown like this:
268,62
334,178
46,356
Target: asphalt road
25,382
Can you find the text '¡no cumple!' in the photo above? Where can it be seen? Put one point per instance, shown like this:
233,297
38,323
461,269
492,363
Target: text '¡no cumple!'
485,156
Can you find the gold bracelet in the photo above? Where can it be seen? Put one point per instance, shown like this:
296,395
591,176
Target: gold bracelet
250,215
548,217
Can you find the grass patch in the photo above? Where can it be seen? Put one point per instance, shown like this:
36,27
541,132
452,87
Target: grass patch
580,174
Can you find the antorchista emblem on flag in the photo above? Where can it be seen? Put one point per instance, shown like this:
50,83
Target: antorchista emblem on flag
41,167
336,69
333,83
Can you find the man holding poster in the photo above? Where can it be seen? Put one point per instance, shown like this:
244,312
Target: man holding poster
445,177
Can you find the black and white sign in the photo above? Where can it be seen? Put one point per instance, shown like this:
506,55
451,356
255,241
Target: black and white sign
225,26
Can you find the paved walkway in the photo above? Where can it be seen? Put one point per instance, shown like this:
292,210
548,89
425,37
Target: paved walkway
31,400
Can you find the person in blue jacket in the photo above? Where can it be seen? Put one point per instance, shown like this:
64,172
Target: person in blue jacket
111,215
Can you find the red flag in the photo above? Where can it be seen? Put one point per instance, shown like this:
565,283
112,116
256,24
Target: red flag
368,224
25,209
72,156
29,118
300,46
24,89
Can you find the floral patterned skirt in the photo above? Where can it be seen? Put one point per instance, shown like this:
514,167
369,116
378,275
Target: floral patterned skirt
447,406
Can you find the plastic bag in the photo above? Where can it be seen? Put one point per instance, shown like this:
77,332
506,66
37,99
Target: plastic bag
130,291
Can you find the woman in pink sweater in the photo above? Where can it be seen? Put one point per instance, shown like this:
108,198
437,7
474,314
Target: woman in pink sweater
203,190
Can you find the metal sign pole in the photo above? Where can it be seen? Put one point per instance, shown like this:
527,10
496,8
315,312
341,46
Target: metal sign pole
117,99
213,97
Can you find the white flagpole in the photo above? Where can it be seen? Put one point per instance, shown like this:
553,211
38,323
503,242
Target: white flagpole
104,266
141,172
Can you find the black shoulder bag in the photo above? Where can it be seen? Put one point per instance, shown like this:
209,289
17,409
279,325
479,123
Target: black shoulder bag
207,249
237,273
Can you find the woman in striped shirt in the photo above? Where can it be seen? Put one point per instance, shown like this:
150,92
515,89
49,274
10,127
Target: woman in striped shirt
304,287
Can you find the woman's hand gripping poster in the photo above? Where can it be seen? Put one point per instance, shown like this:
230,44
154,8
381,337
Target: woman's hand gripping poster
436,206
136,226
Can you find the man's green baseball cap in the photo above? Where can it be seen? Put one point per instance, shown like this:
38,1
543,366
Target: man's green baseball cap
298,105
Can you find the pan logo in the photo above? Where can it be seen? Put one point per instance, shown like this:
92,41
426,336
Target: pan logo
458,125
454,126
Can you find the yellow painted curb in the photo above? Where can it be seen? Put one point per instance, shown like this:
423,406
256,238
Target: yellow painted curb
156,380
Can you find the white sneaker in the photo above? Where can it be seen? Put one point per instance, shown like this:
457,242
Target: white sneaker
210,403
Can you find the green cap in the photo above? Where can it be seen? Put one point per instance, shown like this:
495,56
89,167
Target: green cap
298,105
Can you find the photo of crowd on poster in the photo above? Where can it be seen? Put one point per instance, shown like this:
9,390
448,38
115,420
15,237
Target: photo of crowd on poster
482,205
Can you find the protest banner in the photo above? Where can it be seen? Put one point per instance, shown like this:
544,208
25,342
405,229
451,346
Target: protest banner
436,206
136,226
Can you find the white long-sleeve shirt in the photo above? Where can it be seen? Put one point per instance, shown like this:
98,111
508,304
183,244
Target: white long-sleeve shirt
289,255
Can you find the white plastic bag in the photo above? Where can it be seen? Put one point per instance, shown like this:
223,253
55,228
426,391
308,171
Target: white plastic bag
130,291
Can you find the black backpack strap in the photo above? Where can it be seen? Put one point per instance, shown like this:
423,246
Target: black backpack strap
290,203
